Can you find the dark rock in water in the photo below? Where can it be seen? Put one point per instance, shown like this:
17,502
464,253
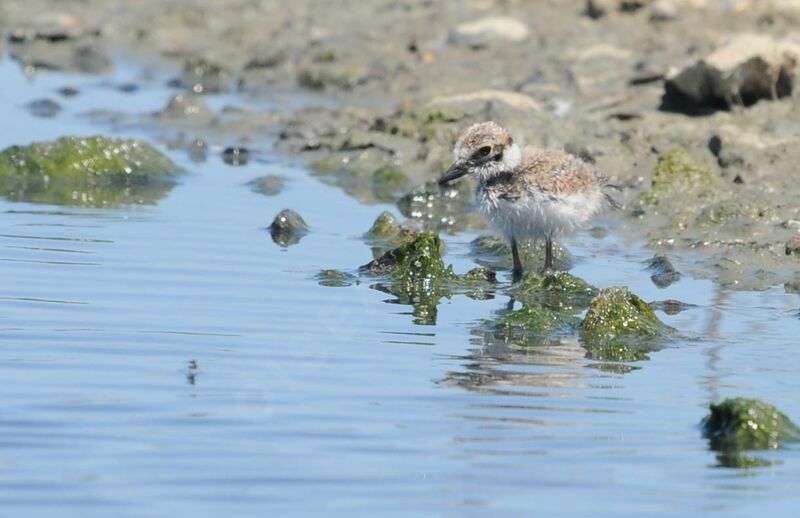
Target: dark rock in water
92,171
336,278
288,228
792,287
670,306
664,273
747,424
236,156
68,92
201,75
128,88
45,108
269,185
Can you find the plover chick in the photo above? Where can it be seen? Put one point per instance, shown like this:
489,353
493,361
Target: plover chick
528,193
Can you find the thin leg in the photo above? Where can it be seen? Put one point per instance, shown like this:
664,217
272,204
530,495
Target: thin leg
548,254
517,263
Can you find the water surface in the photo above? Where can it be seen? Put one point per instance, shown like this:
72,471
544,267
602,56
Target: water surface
172,360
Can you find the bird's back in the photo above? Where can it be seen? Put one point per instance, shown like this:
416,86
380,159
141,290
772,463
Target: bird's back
558,173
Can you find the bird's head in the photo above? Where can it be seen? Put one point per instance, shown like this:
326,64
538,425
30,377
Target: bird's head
485,150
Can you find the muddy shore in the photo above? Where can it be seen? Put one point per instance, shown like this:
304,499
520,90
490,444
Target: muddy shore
390,84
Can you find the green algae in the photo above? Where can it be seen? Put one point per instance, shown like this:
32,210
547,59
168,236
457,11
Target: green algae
741,424
93,171
619,326
616,312
416,275
551,304
530,326
677,174
559,291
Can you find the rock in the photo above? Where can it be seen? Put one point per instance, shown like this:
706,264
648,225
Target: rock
599,8
793,246
45,108
84,58
269,185
91,171
532,325
236,156
474,102
482,33
288,228
664,273
663,10
336,278
185,106
343,72
201,75
385,226
747,68
792,287
747,424
616,313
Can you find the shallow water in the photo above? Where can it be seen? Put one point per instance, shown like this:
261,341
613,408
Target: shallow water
171,359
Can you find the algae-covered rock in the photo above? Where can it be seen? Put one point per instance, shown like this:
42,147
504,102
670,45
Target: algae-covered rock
387,233
416,275
336,278
419,260
385,226
616,312
619,326
747,424
288,228
92,171
531,325
559,291
676,176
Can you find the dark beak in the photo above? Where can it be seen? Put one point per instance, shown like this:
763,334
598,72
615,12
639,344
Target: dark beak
456,171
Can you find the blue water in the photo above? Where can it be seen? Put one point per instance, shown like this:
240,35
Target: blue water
172,360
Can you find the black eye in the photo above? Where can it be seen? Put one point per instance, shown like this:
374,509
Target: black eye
484,151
